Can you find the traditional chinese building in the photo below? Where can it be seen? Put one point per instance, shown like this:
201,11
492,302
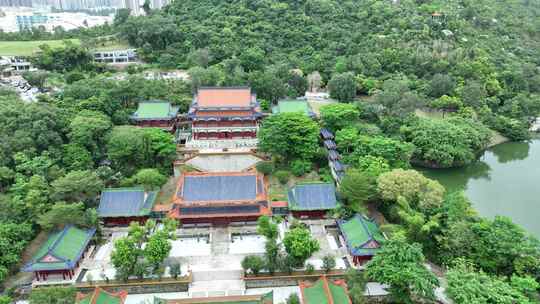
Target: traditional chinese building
220,198
220,114
60,254
325,291
362,236
312,200
122,206
101,296
159,114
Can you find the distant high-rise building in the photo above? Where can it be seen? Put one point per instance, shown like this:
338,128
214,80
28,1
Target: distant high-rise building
16,3
134,6
158,4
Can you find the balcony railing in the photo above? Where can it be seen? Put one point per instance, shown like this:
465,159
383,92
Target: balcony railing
222,143
225,129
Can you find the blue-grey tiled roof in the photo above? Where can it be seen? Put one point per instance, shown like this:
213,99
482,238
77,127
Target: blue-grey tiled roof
333,155
330,144
219,188
326,134
313,196
125,202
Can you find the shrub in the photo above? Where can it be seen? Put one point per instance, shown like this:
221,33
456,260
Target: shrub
175,270
282,176
265,105
310,269
329,263
253,263
265,167
300,167
293,299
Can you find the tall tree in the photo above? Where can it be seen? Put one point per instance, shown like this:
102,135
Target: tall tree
289,136
343,87
300,245
401,266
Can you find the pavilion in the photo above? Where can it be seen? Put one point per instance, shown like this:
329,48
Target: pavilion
362,236
101,296
61,253
325,291
312,200
159,114
121,206
220,197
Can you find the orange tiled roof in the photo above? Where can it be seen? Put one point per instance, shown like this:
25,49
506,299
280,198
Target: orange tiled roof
224,97
224,113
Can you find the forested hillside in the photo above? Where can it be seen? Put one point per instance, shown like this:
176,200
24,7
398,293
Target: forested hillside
484,53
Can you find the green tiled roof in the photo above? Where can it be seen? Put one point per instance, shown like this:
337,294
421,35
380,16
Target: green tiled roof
155,110
339,295
316,294
363,236
324,292
288,106
62,250
100,296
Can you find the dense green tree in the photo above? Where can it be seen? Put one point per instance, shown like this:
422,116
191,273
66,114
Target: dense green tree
68,57
150,179
289,136
53,295
131,148
36,79
343,87
337,116
76,157
397,98
356,284
64,214
446,143
401,266
300,245
124,257
413,201
467,285
357,188
440,85
267,228
31,128
77,186
13,239
253,264
396,153
157,249
89,129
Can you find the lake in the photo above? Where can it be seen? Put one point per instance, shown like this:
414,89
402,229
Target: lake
504,181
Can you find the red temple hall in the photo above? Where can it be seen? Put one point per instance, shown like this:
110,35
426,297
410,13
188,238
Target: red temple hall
224,113
220,198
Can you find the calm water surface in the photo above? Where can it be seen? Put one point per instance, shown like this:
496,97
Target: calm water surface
505,181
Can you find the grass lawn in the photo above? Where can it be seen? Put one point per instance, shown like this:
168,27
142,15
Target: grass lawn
278,192
27,48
